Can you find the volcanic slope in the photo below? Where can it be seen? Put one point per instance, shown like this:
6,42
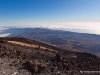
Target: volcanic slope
18,59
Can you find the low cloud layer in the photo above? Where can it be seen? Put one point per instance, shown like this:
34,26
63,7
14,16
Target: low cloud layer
4,35
81,27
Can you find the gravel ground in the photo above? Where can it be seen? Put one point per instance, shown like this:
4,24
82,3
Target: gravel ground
12,67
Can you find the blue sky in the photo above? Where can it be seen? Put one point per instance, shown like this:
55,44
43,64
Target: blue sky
49,12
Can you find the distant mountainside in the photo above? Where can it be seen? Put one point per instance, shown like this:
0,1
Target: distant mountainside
49,32
64,39
67,40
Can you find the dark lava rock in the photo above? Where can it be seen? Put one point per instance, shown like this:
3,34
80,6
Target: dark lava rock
35,67
21,60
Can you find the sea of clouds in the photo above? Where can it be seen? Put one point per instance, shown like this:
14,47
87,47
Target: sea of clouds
1,30
80,27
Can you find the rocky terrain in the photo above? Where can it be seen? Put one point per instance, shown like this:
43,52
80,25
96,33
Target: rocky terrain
24,60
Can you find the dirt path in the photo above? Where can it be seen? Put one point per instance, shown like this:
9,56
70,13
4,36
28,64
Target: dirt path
30,45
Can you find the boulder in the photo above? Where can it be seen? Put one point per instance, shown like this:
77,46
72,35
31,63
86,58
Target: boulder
35,66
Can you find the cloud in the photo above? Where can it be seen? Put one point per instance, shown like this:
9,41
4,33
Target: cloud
4,35
82,27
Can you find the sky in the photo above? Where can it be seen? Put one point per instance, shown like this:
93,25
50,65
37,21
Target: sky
75,15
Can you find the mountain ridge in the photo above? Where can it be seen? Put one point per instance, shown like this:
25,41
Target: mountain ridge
71,41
